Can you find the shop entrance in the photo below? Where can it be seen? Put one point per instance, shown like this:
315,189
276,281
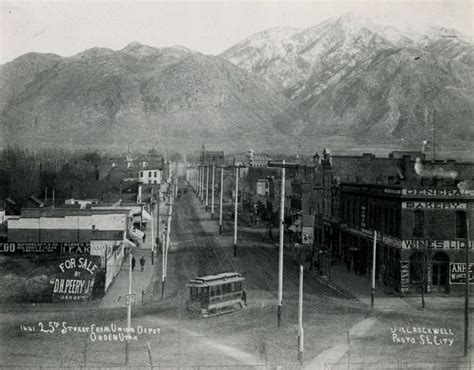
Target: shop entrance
440,273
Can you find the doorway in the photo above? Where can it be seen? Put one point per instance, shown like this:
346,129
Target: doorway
440,273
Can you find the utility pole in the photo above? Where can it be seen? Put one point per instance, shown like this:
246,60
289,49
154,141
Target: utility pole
434,135
207,187
197,180
158,217
374,256
280,256
168,229
466,292
300,319
129,305
152,231
212,191
221,198
163,276
202,184
235,208
283,166
423,277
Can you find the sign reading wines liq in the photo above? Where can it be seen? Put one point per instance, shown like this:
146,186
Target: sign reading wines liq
75,278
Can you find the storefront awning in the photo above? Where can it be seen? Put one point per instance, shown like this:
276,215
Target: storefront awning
129,243
136,234
144,217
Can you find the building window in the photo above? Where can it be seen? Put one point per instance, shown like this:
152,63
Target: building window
418,223
141,174
149,174
155,173
461,225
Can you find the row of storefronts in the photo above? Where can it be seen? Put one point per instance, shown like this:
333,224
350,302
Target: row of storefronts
421,229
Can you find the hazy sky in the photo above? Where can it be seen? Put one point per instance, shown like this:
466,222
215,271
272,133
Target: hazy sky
66,28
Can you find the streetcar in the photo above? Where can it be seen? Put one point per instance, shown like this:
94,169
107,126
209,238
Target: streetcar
215,295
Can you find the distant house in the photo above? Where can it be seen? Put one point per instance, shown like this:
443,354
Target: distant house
150,176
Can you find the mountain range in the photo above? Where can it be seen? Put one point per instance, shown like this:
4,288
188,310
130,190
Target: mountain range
345,82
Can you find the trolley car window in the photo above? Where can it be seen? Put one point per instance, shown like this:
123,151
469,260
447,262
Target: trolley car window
213,291
229,288
218,289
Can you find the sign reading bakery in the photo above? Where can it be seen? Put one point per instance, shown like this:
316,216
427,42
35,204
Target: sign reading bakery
434,205
75,278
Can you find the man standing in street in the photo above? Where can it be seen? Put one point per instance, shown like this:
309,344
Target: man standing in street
142,263
133,263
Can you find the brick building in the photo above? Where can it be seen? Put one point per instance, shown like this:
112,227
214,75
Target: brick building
416,207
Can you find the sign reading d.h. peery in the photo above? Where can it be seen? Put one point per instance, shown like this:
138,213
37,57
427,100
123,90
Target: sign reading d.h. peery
75,278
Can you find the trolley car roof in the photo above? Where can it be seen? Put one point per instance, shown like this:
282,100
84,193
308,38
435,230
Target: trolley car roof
211,280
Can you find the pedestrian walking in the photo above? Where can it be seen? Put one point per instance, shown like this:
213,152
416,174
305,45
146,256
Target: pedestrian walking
144,237
142,263
244,297
133,263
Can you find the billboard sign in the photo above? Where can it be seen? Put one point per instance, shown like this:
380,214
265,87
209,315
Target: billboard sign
75,278
45,248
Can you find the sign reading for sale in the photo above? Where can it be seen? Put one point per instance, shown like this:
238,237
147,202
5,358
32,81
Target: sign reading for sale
75,278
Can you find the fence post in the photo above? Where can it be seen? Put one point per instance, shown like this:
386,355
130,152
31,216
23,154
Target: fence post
149,354
85,353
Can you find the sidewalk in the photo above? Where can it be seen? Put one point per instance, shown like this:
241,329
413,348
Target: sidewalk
360,287
115,295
